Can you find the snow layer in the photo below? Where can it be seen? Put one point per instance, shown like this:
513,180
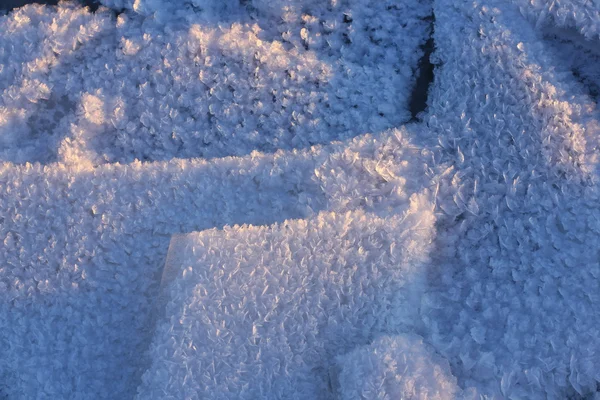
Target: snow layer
99,88
83,252
278,303
79,315
505,162
514,305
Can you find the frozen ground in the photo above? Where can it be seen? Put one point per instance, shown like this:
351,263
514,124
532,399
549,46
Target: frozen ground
237,199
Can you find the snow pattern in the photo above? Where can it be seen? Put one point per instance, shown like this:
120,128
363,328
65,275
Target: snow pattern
226,199
273,314
395,367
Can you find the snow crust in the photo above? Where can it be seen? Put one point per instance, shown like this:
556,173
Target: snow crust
320,245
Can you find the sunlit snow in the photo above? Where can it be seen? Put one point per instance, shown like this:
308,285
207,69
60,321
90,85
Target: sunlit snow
204,199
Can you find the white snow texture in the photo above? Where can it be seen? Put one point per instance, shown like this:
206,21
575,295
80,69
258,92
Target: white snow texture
278,303
230,199
395,367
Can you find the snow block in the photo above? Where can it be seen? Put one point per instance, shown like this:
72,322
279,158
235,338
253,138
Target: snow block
262,311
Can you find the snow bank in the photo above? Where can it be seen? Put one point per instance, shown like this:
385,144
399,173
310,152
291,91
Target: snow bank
258,312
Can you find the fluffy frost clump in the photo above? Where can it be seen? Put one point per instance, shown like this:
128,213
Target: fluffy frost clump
39,60
395,367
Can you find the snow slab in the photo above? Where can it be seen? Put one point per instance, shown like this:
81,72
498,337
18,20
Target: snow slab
278,303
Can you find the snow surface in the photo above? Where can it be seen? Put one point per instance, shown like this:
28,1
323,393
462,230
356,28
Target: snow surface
395,367
278,303
113,89
320,246
581,15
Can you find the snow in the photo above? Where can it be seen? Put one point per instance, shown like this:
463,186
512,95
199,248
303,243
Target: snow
223,199
278,303
581,15
199,89
395,367
512,305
